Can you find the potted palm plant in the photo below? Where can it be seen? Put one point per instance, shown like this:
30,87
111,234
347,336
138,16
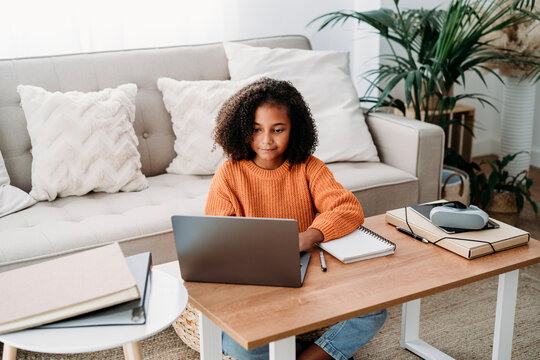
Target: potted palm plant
431,50
501,194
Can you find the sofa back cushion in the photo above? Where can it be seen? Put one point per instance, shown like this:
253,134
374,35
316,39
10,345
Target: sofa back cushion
96,71
82,142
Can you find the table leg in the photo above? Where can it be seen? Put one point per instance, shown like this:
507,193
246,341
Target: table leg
410,340
9,353
284,349
133,351
504,315
210,338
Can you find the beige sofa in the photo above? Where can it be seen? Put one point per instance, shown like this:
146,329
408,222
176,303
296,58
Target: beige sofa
409,172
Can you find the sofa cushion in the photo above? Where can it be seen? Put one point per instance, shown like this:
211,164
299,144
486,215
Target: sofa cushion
356,176
378,186
194,106
82,141
79,222
323,78
12,199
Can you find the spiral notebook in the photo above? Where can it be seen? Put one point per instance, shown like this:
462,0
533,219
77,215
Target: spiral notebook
361,244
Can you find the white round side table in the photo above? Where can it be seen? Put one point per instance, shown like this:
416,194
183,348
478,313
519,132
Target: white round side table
168,299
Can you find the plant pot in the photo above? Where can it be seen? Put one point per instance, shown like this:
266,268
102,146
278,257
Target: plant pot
517,123
502,206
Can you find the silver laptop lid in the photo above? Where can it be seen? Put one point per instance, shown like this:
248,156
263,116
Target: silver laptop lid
239,250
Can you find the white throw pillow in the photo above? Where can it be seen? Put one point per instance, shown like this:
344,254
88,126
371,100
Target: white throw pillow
323,78
194,106
11,198
82,142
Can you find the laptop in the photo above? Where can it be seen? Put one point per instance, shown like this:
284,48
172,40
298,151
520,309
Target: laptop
239,250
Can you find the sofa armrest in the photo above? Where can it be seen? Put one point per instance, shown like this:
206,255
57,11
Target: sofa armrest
413,146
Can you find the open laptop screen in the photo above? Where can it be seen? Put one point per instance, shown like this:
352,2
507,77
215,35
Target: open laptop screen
239,250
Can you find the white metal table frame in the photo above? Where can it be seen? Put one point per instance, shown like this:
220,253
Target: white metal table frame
284,349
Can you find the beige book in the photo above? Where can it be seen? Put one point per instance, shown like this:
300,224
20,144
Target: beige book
65,287
470,244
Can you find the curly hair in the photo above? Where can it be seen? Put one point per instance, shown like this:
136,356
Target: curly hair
234,128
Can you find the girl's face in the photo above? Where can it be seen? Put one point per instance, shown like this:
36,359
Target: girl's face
271,131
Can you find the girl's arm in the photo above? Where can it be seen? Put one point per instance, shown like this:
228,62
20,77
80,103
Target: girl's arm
339,211
218,206
217,202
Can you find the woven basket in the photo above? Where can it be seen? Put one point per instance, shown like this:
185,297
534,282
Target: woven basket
502,206
453,190
187,328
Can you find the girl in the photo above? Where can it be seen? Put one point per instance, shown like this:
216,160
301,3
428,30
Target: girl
268,133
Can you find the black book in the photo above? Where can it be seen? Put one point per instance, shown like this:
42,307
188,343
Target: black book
129,313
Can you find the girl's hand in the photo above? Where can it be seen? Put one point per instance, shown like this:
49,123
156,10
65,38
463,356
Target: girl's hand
309,237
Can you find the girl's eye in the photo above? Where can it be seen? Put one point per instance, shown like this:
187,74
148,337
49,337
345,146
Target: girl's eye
256,130
278,130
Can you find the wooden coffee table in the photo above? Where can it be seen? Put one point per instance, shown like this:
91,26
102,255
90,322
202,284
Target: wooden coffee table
258,315
168,299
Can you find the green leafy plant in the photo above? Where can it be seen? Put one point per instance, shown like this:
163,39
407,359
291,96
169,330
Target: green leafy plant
500,180
431,50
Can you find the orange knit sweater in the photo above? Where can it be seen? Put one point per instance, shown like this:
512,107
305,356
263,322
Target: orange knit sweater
300,191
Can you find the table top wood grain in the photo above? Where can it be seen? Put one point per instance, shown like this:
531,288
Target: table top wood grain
257,315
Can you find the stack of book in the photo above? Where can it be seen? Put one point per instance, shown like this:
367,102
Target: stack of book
470,244
93,287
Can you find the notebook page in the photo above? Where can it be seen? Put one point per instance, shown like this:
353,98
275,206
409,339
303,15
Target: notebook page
358,244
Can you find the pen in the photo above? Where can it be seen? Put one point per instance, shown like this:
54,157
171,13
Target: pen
419,238
323,263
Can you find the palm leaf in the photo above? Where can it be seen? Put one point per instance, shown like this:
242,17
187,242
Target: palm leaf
438,49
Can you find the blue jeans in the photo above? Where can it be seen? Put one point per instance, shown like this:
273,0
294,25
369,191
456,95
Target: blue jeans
341,340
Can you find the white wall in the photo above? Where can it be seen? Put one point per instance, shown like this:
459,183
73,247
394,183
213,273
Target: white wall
257,18
56,27
35,27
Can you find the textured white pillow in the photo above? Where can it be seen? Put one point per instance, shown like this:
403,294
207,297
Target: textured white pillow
323,78
194,106
11,198
82,141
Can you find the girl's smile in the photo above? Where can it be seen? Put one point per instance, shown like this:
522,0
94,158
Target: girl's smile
271,131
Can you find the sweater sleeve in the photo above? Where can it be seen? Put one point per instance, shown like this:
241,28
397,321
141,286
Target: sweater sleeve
218,202
339,211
